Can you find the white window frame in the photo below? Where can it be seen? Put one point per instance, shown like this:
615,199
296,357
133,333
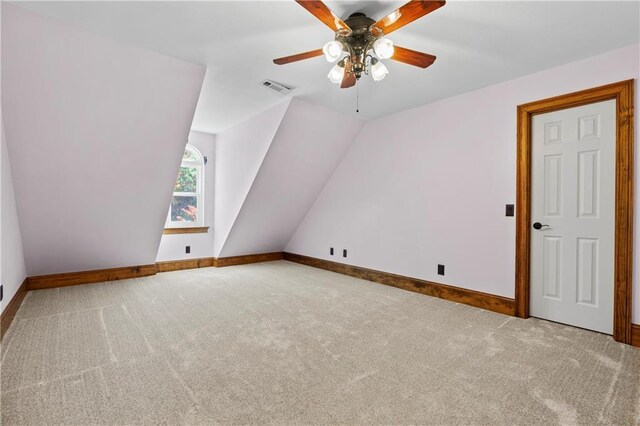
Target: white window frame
199,194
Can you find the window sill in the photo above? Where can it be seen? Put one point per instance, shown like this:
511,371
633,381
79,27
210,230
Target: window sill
185,230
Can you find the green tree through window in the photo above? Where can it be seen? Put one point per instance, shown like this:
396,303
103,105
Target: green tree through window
186,204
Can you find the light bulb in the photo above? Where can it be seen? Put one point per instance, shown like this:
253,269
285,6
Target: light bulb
379,71
336,74
332,50
383,47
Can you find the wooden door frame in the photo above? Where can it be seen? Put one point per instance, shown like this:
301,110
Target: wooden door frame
622,92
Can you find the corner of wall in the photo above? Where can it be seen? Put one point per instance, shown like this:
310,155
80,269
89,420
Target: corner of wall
364,125
240,152
12,266
301,158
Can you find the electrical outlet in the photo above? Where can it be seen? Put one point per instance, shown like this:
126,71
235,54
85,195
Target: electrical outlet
331,251
509,210
187,249
440,269
344,252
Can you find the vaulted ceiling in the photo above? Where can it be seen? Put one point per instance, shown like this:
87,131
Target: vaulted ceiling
477,44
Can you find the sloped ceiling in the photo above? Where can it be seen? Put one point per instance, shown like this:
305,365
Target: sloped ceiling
240,152
478,43
95,132
429,186
306,149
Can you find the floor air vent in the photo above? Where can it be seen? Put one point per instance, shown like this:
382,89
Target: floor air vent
280,88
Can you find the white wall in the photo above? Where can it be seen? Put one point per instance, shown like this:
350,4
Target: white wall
429,185
239,154
95,131
307,147
12,268
172,246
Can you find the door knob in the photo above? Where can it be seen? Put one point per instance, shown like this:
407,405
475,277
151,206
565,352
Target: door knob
538,226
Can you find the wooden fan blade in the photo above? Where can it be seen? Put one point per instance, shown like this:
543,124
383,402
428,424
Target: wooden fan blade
323,13
406,14
412,57
298,57
349,78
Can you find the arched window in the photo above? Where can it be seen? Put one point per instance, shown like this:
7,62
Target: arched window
187,204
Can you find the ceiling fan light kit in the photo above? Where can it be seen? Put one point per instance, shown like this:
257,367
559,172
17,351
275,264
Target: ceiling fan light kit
378,71
336,73
383,48
333,50
360,42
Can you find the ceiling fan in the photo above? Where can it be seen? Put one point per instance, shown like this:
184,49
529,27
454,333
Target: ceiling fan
360,42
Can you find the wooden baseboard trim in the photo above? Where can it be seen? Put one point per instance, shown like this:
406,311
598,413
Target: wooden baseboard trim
196,230
478,299
88,277
12,307
218,262
177,265
246,259
635,335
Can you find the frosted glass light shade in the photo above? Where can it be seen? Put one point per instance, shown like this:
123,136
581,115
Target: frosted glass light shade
379,71
336,74
383,48
332,50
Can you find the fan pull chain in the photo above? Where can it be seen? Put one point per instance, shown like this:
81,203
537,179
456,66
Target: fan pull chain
357,99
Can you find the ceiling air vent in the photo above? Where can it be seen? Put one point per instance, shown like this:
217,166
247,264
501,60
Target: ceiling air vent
280,88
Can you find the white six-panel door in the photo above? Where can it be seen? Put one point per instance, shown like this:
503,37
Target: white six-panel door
573,192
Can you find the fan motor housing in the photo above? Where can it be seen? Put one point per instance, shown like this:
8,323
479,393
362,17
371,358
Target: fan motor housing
359,24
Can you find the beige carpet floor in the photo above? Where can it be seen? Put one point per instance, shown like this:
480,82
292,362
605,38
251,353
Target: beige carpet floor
287,344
